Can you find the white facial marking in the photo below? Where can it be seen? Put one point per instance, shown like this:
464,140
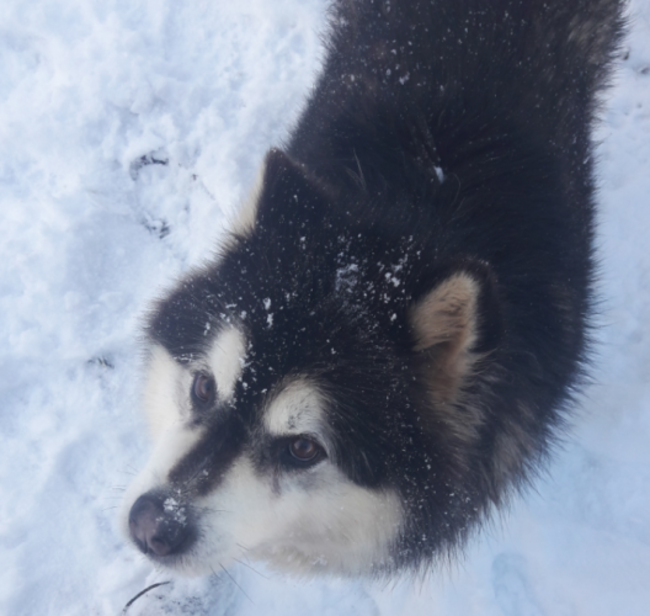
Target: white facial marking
226,360
166,404
297,409
165,391
323,524
303,521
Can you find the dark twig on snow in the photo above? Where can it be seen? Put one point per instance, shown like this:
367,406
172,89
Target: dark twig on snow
142,592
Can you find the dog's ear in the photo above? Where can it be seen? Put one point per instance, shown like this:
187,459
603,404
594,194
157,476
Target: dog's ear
455,325
288,196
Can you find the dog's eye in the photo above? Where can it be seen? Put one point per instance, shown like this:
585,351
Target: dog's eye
305,451
203,389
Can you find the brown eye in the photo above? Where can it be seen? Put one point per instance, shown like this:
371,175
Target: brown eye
203,389
304,449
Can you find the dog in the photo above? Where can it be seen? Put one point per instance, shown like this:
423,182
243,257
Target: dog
391,339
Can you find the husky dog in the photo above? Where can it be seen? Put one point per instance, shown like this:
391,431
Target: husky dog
390,340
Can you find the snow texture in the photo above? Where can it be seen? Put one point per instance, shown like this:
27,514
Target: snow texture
130,132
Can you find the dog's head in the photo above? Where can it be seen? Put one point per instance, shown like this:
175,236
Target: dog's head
302,395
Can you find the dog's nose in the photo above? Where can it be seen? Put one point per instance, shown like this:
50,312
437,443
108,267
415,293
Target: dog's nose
159,525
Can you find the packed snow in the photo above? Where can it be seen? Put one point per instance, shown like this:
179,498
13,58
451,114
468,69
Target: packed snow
131,130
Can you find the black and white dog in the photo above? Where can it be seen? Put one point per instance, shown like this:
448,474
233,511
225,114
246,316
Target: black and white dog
392,335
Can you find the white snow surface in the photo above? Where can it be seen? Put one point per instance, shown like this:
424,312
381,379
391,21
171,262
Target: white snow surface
91,234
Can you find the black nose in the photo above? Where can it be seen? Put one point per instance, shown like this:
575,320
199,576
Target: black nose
160,525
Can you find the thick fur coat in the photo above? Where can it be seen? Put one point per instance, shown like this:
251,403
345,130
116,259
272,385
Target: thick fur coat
390,340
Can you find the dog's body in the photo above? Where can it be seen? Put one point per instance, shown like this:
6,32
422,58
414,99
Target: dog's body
391,337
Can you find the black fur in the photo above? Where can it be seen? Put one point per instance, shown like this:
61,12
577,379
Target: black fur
442,136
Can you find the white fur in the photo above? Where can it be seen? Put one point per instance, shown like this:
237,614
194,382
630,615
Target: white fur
297,409
319,523
303,521
165,398
226,360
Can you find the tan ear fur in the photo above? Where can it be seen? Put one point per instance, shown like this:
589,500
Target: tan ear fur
445,327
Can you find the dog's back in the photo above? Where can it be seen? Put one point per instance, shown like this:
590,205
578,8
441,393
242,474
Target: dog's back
429,78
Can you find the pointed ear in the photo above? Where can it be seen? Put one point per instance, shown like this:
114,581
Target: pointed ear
454,325
288,196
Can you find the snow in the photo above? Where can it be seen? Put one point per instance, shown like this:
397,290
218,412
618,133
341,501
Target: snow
130,132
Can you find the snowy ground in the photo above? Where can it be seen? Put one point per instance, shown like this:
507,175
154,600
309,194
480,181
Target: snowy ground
129,132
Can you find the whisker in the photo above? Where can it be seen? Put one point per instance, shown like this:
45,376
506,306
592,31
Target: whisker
233,581
241,562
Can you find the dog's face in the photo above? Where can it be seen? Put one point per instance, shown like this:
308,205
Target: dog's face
302,396
223,485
